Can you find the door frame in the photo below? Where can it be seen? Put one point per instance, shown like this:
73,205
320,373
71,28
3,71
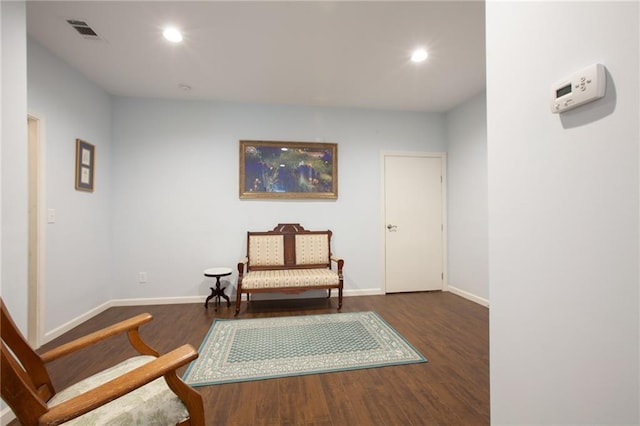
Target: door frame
443,164
37,219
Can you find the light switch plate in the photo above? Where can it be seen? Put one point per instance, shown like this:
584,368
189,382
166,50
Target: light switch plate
51,216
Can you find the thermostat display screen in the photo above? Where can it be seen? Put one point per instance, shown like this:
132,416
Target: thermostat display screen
563,90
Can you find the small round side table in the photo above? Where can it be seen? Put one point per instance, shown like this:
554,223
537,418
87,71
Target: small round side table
217,292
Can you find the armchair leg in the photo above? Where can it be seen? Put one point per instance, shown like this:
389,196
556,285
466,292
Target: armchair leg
190,398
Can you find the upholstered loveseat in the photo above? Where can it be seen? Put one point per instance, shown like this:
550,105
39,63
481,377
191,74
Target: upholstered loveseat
288,259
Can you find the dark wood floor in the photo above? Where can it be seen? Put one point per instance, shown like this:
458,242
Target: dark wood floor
451,389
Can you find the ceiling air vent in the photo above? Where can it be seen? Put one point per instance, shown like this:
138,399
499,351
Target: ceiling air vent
83,28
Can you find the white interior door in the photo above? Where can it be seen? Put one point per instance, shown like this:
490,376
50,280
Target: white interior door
413,193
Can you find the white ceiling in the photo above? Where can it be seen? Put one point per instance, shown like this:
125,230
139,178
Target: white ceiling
345,54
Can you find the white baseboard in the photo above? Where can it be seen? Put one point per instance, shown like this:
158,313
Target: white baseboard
469,296
159,301
6,416
361,292
59,331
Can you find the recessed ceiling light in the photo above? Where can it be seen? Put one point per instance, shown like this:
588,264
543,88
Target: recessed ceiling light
419,55
172,34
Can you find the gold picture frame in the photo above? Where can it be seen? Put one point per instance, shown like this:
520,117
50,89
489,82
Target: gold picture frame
85,165
288,170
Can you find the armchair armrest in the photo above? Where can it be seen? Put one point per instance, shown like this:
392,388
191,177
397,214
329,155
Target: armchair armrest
134,379
130,326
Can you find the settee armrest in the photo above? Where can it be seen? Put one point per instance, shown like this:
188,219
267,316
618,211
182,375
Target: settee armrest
242,264
339,261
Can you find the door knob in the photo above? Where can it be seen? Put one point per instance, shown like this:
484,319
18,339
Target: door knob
391,227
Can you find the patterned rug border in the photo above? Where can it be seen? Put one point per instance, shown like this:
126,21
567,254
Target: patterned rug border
417,357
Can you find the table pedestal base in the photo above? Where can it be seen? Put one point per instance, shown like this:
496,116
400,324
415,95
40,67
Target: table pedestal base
216,291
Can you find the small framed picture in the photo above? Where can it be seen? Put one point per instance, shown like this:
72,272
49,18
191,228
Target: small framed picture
85,165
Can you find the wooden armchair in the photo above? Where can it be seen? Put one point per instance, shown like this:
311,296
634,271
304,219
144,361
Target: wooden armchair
133,392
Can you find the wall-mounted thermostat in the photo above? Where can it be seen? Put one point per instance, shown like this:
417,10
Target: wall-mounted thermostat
579,88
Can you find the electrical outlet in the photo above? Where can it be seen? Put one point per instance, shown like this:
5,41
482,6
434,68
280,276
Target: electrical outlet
142,277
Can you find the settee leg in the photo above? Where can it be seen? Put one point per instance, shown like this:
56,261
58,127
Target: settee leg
238,303
340,298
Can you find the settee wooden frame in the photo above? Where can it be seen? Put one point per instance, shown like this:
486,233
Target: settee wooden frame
289,232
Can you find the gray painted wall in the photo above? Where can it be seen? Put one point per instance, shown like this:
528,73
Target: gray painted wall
78,259
13,163
176,187
563,202
466,128
14,160
166,187
563,216
166,199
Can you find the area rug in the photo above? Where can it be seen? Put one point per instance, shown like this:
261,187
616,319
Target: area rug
264,348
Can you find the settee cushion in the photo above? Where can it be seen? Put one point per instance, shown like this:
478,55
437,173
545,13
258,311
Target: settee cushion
290,278
152,404
312,249
266,250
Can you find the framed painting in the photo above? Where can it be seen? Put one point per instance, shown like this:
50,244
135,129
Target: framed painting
85,165
294,170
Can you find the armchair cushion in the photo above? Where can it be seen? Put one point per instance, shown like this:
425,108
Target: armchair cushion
152,404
